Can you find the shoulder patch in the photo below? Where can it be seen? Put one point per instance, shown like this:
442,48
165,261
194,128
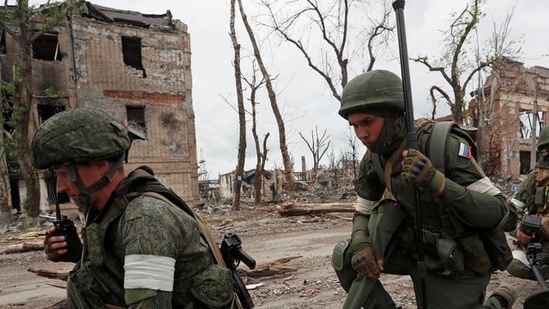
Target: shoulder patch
464,150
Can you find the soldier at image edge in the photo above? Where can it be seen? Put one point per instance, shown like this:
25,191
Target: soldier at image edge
531,198
141,245
464,215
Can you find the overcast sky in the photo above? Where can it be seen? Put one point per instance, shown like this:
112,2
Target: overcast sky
303,97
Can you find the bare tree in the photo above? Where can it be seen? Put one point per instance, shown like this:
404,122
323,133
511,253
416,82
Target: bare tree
456,64
288,166
331,22
318,145
239,173
261,153
17,21
5,197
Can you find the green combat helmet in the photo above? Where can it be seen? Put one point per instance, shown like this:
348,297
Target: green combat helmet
78,135
374,90
543,139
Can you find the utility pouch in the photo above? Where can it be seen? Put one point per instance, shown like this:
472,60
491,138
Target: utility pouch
94,237
450,254
497,248
540,198
341,262
475,256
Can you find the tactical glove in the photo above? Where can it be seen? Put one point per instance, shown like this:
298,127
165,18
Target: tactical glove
418,169
363,258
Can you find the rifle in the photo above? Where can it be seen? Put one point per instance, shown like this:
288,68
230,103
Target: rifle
231,250
411,137
539,299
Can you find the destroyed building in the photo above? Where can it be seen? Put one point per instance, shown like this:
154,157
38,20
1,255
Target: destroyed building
134,66
510,111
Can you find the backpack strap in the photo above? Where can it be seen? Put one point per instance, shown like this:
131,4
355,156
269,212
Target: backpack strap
202,226
436,152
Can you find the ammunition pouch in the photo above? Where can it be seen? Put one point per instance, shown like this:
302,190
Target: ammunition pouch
442,254
475,256
341,262
540,198
497,248
94,245
450,255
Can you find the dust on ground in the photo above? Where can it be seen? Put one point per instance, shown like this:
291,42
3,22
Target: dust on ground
309,280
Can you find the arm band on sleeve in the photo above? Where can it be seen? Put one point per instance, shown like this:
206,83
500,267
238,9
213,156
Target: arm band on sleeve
149,272
518,204
364,206
484,185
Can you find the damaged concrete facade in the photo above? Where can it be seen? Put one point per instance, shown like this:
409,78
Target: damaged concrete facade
134,66
510,112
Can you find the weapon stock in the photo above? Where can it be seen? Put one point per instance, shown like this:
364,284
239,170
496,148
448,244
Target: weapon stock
398,6
231,249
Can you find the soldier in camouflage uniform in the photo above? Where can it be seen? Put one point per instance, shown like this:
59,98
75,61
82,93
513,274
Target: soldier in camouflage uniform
464,215
532,198
139,250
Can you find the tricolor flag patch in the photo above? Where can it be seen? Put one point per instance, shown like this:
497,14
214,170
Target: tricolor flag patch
464,151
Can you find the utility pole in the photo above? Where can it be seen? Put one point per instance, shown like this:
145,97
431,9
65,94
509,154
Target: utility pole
202,171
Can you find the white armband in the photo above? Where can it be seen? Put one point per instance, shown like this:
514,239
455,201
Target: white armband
364,206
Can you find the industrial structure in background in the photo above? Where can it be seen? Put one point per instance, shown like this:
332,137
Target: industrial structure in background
134,66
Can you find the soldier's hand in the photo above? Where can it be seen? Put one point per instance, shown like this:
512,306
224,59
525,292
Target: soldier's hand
363,259
524,238
418,170
55,247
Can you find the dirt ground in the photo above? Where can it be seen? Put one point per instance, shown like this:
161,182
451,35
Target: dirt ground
307,280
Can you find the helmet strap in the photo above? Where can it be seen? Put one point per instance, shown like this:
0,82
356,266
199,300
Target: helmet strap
85,193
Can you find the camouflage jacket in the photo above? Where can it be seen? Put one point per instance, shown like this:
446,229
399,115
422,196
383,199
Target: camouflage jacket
144,252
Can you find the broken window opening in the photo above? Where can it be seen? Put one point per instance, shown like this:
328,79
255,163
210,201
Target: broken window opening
46,47
131,50
3,48
46,110
136,117
527,125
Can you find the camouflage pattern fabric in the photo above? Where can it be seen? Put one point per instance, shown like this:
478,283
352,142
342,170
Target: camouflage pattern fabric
526,193
78,135
148,227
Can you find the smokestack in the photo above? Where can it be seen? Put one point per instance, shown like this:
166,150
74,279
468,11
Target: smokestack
303,165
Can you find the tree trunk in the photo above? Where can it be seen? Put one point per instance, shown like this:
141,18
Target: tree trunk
26,127
312,209
5,196
239,173
288,166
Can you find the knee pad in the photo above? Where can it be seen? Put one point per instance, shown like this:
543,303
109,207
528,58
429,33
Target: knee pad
341,262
